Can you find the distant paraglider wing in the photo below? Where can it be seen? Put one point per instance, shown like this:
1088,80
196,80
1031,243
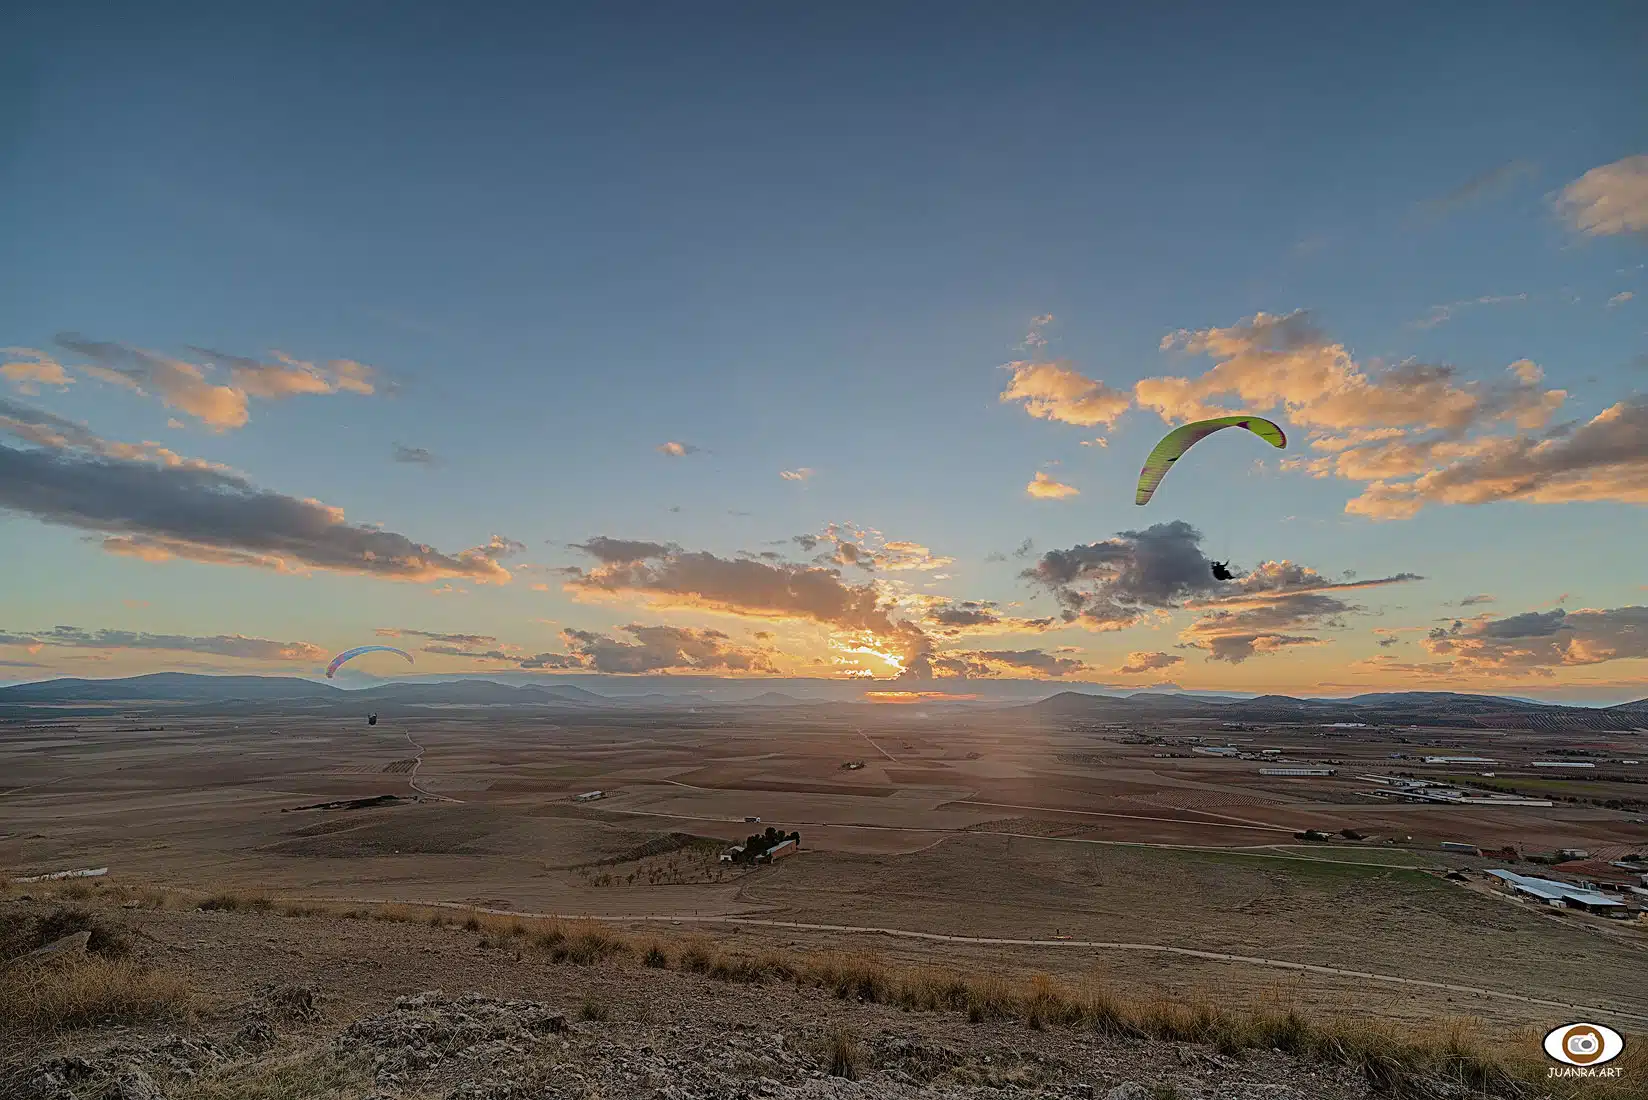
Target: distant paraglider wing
1175,443
349,654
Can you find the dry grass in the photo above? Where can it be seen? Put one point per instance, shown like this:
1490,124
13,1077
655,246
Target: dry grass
1390,1058
841,1054
231,901
89,991
301,1077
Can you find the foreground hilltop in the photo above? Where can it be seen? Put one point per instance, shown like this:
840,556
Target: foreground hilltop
223,996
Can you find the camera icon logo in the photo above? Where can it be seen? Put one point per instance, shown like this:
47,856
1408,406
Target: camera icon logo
1584,1044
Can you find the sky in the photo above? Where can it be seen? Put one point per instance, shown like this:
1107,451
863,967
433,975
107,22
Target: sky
751,341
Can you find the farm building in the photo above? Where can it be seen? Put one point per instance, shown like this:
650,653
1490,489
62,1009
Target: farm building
1463,849
1459,760
1597,873
588,796
1563,764
1560,894
1296,771
779,851
731,855
1207,750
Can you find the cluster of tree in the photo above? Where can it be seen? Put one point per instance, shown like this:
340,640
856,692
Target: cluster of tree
758,844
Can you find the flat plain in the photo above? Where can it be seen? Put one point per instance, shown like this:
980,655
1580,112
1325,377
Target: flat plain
1115,849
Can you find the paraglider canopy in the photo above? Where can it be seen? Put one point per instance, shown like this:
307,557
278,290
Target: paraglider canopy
1175,443
350,654
371,719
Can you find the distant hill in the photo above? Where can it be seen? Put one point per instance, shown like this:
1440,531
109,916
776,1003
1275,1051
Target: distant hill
171,687
190,693
1403,708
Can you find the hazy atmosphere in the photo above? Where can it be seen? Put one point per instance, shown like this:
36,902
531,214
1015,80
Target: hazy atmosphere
756,342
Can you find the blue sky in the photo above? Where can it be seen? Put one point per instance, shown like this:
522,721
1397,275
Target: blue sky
811,241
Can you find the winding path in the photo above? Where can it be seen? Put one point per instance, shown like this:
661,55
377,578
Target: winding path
1095,945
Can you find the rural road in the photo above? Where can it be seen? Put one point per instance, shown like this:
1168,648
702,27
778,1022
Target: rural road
1094,945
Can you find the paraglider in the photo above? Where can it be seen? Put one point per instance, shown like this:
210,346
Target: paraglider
348,654
1175,443
1221,571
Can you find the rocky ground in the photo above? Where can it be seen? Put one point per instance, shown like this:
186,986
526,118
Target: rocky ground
292,1008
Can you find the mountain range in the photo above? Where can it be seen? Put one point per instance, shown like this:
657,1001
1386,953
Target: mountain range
187,692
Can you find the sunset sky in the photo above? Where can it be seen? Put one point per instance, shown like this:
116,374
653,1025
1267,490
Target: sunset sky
755,341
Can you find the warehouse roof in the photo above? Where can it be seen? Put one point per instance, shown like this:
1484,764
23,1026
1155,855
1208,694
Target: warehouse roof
1554,891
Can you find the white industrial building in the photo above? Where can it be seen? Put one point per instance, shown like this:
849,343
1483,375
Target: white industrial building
1296,771
1563,764
589,796
1561,894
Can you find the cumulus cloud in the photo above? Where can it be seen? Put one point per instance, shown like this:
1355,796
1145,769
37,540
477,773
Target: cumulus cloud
979,664
223,645
287,376
802,474
1142,661
1263,611
415,456
846,545
183,385
676,449
610,551
666,576
1605,458
1043,487
1609,200
951,617
1622,297
1057,391
1536,643
31,369
1414,433
1113,584
156,509
652,649
44,429
1479,598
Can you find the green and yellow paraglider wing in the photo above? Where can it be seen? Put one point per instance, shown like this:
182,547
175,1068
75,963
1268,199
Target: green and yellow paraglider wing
1175,443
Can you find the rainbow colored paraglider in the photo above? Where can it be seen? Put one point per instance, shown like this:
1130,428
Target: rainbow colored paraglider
358,650
1175,443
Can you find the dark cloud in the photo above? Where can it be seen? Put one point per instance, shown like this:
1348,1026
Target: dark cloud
415,456
738,586
156,512
1386,643
1236,648
1530,624
664,649
1110,585
435,636
622,551
1472,601
809,543
222,645
965,664
1144,661
474,654
962,616
1538,642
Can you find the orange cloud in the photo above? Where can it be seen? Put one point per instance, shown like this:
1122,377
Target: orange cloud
1046,488
32,369
1056,391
